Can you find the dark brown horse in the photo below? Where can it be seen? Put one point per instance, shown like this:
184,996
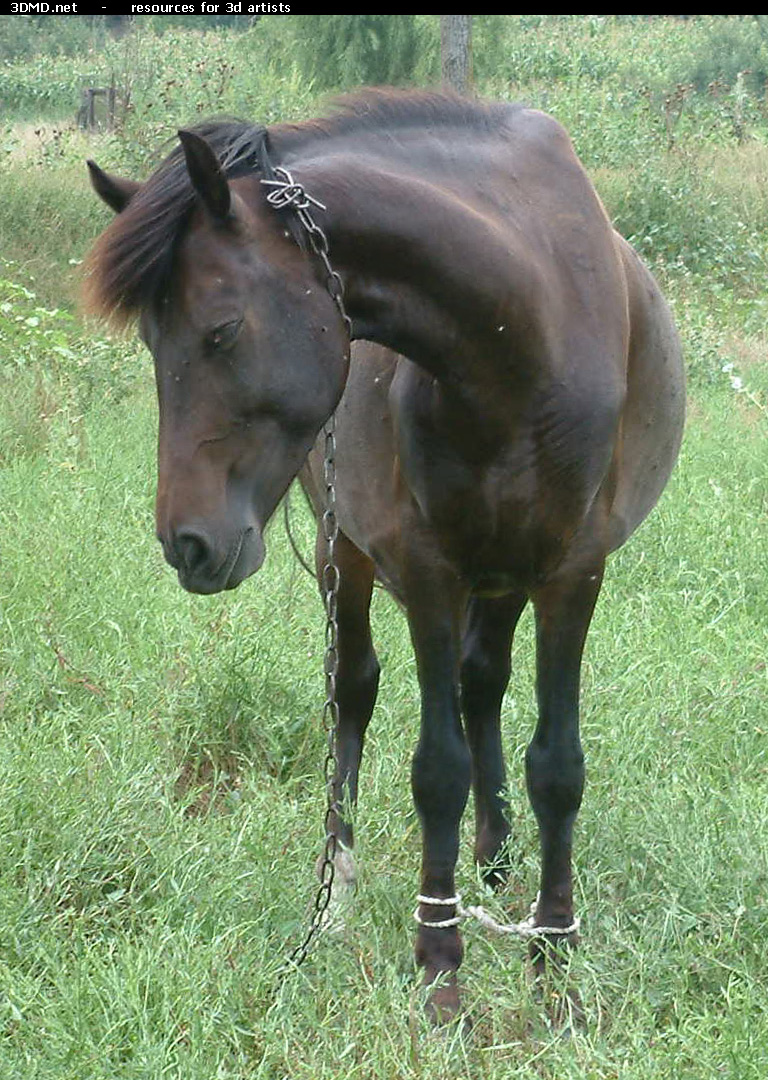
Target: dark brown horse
531,430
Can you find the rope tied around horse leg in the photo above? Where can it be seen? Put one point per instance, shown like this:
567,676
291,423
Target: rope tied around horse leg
438,901
525,929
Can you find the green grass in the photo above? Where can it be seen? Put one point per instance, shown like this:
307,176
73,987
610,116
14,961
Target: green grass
47,219
160,754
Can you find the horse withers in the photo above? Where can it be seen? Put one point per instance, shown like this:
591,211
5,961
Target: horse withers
529,432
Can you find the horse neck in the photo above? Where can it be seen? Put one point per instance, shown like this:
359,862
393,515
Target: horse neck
426,273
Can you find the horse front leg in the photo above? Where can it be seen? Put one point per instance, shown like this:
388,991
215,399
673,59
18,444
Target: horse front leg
357,682
485,670
554,759
440,776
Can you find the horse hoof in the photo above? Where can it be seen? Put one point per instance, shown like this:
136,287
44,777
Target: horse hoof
342,890
444,1009
562,1004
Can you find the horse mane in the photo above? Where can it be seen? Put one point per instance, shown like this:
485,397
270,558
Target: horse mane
129,266
378,109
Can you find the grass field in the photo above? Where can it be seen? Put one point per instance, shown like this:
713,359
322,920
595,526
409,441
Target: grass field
160,754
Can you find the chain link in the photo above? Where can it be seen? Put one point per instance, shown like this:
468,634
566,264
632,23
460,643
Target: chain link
286,194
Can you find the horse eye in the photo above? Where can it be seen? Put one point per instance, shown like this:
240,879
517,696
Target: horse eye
224,336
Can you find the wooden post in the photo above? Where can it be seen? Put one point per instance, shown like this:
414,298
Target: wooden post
82,112
86,114
456,51
111,96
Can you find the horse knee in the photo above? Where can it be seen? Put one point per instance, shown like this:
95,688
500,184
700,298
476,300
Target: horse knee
440,779
483,681
358,685
555,779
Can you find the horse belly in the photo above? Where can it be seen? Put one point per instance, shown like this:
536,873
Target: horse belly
654,413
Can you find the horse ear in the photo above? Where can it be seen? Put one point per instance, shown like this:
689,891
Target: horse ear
115,191
206,174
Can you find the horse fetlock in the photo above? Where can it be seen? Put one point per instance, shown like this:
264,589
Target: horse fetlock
552,949
438,951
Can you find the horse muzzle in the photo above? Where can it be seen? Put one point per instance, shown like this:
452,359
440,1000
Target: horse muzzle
206,567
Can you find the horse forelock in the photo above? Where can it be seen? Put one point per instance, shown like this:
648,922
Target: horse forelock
129,267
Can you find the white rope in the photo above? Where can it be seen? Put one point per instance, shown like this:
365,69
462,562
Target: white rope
525,929
439,901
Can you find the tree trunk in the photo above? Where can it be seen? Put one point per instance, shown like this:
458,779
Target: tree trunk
456,50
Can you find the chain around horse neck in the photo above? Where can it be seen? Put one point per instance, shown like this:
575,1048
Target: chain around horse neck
285,194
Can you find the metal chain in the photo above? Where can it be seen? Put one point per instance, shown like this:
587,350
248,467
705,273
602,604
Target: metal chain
329,587
287,193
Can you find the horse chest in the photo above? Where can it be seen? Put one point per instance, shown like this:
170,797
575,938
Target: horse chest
488,519
504,481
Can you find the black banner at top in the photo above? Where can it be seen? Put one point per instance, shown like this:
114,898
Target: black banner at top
123,8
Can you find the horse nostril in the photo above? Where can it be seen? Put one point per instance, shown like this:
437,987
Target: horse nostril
192,551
